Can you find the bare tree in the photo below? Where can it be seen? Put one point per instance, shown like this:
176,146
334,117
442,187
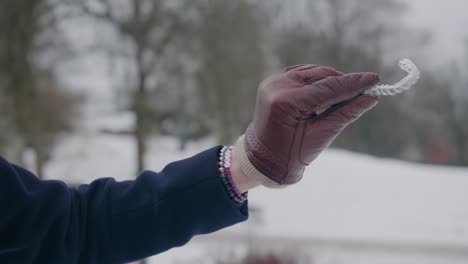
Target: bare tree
356,35
454,89
146,29
55,112
231,56
350,35
24,37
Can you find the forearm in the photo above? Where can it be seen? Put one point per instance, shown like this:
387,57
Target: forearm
189,199
109,221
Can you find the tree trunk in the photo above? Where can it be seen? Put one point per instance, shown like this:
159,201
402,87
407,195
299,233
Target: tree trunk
140,140
39,162
139,102
460,144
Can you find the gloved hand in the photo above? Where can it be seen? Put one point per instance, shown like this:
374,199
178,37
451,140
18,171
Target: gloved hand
286,134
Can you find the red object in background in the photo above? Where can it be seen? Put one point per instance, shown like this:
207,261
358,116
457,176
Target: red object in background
437,151
271,259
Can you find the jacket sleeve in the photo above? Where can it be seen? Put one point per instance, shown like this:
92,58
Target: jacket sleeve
108,221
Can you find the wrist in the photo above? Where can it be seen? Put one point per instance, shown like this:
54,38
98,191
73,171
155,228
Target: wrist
242,181
251,170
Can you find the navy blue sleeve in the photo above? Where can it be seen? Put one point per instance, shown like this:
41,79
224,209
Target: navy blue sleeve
108,221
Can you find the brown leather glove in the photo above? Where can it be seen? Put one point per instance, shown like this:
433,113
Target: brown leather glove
287,134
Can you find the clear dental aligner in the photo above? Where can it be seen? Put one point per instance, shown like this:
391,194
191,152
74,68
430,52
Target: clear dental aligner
401,86
385,89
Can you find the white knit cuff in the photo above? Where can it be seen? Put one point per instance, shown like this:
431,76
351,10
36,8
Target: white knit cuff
249,170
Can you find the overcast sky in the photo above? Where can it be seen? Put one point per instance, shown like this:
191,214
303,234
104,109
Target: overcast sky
448,19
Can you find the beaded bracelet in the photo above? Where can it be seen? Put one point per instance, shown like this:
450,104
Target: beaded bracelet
225,171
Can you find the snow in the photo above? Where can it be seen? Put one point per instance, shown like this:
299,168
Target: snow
356,196
344,196
358,201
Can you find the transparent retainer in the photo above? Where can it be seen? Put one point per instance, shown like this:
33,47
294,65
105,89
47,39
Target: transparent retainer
401,86
385,89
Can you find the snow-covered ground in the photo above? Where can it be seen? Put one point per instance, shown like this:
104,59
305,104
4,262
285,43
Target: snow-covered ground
348,204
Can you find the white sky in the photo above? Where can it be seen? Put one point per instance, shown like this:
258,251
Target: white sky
449,21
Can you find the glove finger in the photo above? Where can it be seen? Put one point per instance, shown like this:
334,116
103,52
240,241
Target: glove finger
321,132
310,75
293,67
341,117
307,74
306,67
333,90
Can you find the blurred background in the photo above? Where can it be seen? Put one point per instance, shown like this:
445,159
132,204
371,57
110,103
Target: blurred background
101,88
